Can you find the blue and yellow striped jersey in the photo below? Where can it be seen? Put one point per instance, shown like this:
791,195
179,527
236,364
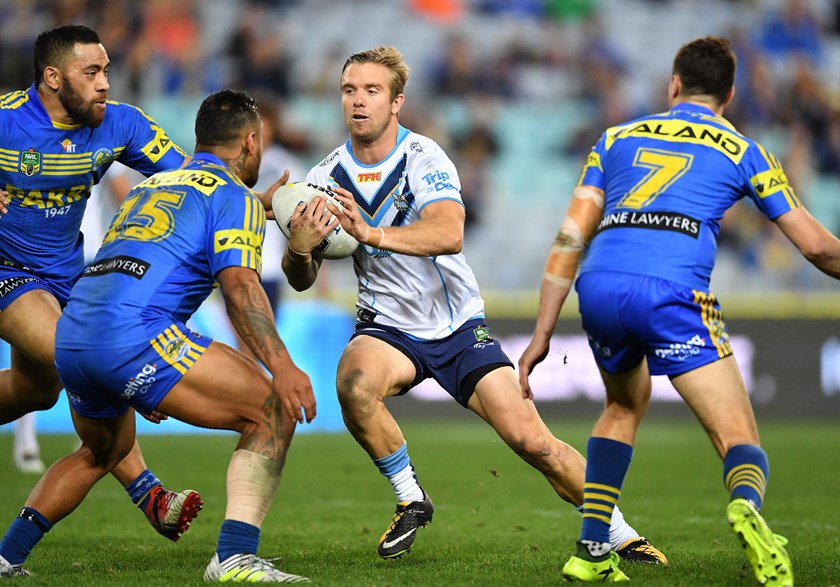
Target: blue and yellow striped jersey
668,179
169,239
49,168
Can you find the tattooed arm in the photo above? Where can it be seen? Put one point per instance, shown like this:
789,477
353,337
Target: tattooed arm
251,314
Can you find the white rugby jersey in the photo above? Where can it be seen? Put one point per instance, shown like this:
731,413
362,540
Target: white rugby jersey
425,297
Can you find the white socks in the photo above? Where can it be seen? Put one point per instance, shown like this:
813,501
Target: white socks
620,531
406,486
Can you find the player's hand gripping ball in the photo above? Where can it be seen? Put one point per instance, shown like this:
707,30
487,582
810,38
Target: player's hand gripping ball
338,244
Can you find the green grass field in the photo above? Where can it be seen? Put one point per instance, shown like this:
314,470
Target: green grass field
497,522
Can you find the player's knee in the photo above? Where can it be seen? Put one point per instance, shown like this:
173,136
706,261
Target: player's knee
42,399
104,455
355,393
533,447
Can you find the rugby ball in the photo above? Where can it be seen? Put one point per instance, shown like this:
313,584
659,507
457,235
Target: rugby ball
338,243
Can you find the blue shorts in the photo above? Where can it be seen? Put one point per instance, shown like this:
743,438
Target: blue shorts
457,362
16,281
628,317
103,383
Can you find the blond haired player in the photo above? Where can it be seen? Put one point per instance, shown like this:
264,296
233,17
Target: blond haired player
420,314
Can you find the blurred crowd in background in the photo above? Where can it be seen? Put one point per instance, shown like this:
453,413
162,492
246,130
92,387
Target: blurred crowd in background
516,91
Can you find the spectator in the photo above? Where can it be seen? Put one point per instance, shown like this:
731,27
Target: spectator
792,31
260,59
474,154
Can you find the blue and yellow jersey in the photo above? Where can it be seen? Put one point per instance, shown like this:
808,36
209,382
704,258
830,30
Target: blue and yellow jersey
667,180
49,168
158,261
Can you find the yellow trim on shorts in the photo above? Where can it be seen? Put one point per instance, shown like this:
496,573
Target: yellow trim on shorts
713,321
169,344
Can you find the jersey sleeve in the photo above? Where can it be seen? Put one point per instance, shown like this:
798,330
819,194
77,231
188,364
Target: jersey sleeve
432,176
320,174
148,148
592,173
236,231
766,183
317,176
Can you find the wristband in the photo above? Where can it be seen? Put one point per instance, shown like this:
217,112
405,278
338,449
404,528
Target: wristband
381,238
302,258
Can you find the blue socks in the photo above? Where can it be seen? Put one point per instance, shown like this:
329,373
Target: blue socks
22,536
745,473
138,490
393,463
607,462
237,538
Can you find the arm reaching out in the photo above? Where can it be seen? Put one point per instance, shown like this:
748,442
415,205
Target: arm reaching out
812,239
268,194
577,229
251,315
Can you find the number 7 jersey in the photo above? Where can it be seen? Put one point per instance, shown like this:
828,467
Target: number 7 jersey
667,181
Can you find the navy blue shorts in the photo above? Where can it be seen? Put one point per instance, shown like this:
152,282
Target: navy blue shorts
104,382
628,317
14,282
457,362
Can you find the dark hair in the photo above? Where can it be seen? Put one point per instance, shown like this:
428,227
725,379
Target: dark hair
54,46
223,116
706,67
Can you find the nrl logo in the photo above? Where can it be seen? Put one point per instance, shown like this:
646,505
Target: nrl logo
30,162
482,334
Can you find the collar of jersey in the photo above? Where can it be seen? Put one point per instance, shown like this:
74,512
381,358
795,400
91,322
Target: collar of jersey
42,111
209,157
402,132
693,108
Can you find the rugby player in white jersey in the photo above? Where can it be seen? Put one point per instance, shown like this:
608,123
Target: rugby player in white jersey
419,310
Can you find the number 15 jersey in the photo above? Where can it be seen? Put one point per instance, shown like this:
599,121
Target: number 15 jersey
159,260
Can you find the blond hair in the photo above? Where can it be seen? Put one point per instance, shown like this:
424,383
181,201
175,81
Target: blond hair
391,58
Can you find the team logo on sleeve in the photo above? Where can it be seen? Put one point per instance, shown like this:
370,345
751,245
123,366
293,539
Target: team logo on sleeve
236,238
769,182
30,162
101,157
158,146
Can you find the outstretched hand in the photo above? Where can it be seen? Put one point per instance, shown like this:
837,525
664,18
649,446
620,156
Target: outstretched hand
534,354
154,417
294,389
267,195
